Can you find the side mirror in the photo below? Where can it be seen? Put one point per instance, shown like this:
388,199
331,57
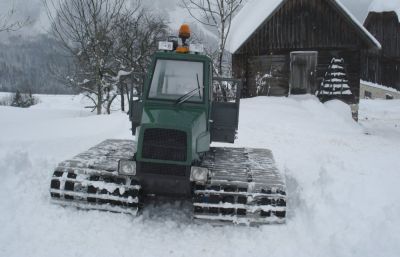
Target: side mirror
135,113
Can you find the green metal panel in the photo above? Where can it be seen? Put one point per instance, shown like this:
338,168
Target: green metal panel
192,118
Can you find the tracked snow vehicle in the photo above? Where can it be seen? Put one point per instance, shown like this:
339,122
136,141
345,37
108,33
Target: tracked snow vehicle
174,121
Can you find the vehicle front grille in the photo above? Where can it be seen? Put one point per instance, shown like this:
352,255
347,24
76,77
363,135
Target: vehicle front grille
163,169
164,144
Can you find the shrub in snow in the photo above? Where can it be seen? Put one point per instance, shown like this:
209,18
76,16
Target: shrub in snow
23,100
335,81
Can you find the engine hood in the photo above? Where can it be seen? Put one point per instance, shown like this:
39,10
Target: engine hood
192,121
175,118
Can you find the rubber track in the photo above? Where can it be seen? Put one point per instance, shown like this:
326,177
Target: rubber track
244,187
90,180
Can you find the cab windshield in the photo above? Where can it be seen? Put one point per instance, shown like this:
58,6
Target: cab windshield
174,80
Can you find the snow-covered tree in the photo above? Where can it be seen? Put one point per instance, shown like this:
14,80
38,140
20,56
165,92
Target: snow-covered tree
136,39
216,14
109,39
86,28
335,80
23,100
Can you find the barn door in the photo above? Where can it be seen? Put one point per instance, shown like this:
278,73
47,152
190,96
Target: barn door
303,69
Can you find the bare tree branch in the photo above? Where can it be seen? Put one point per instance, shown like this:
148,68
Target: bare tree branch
7,25
217,14
84,28
106,39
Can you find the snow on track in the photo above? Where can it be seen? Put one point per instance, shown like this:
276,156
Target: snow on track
343,181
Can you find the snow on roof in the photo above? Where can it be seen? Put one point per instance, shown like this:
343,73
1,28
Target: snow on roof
375,85
252,15
255,12
385,6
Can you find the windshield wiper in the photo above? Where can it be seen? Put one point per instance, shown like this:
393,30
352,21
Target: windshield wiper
190,94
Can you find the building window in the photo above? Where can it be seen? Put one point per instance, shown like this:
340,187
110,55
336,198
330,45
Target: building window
367,95
389,97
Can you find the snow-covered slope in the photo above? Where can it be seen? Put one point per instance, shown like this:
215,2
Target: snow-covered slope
342,179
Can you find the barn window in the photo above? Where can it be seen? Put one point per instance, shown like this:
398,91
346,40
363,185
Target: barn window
367,95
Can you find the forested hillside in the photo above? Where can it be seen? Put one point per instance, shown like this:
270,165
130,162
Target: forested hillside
37,64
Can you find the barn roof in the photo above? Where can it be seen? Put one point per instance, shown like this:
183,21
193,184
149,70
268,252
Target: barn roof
256,12
380,6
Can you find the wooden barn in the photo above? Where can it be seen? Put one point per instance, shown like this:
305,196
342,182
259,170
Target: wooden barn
283,47
383,22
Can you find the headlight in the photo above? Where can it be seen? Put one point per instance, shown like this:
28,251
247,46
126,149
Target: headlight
198,174
127,168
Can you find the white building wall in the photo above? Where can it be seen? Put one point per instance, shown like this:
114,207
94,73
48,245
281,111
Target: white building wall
370,90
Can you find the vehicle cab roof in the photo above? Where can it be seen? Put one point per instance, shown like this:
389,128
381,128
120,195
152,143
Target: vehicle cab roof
183,57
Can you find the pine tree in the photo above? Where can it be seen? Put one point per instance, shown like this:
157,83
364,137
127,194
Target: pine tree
335,82
17,100
23,100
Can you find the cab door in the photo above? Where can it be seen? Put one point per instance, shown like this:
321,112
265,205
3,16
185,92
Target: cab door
135,99
225,109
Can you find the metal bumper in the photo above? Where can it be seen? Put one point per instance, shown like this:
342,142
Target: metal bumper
164,179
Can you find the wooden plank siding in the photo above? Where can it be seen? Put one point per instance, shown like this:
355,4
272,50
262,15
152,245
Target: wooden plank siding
279,64
299,25
302,24
386,28
383,67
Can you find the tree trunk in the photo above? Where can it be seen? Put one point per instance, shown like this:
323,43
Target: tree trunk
221,58
128,94
223,87
121,89
110,101
99,99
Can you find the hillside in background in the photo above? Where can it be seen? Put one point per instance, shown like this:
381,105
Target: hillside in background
36,63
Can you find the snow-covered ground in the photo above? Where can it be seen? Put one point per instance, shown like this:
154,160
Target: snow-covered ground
343,183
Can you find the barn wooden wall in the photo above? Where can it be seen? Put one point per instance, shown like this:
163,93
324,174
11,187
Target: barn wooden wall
279,66
386,28
303,24
383,67
381,70
299,25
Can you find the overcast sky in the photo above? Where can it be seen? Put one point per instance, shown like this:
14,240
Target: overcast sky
34,10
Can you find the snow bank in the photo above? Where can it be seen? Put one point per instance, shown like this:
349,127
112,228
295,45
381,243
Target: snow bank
385,6
342,181
57,121
341,109
382,117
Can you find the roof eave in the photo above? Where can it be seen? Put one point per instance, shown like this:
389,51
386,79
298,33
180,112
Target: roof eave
371,41
260,26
